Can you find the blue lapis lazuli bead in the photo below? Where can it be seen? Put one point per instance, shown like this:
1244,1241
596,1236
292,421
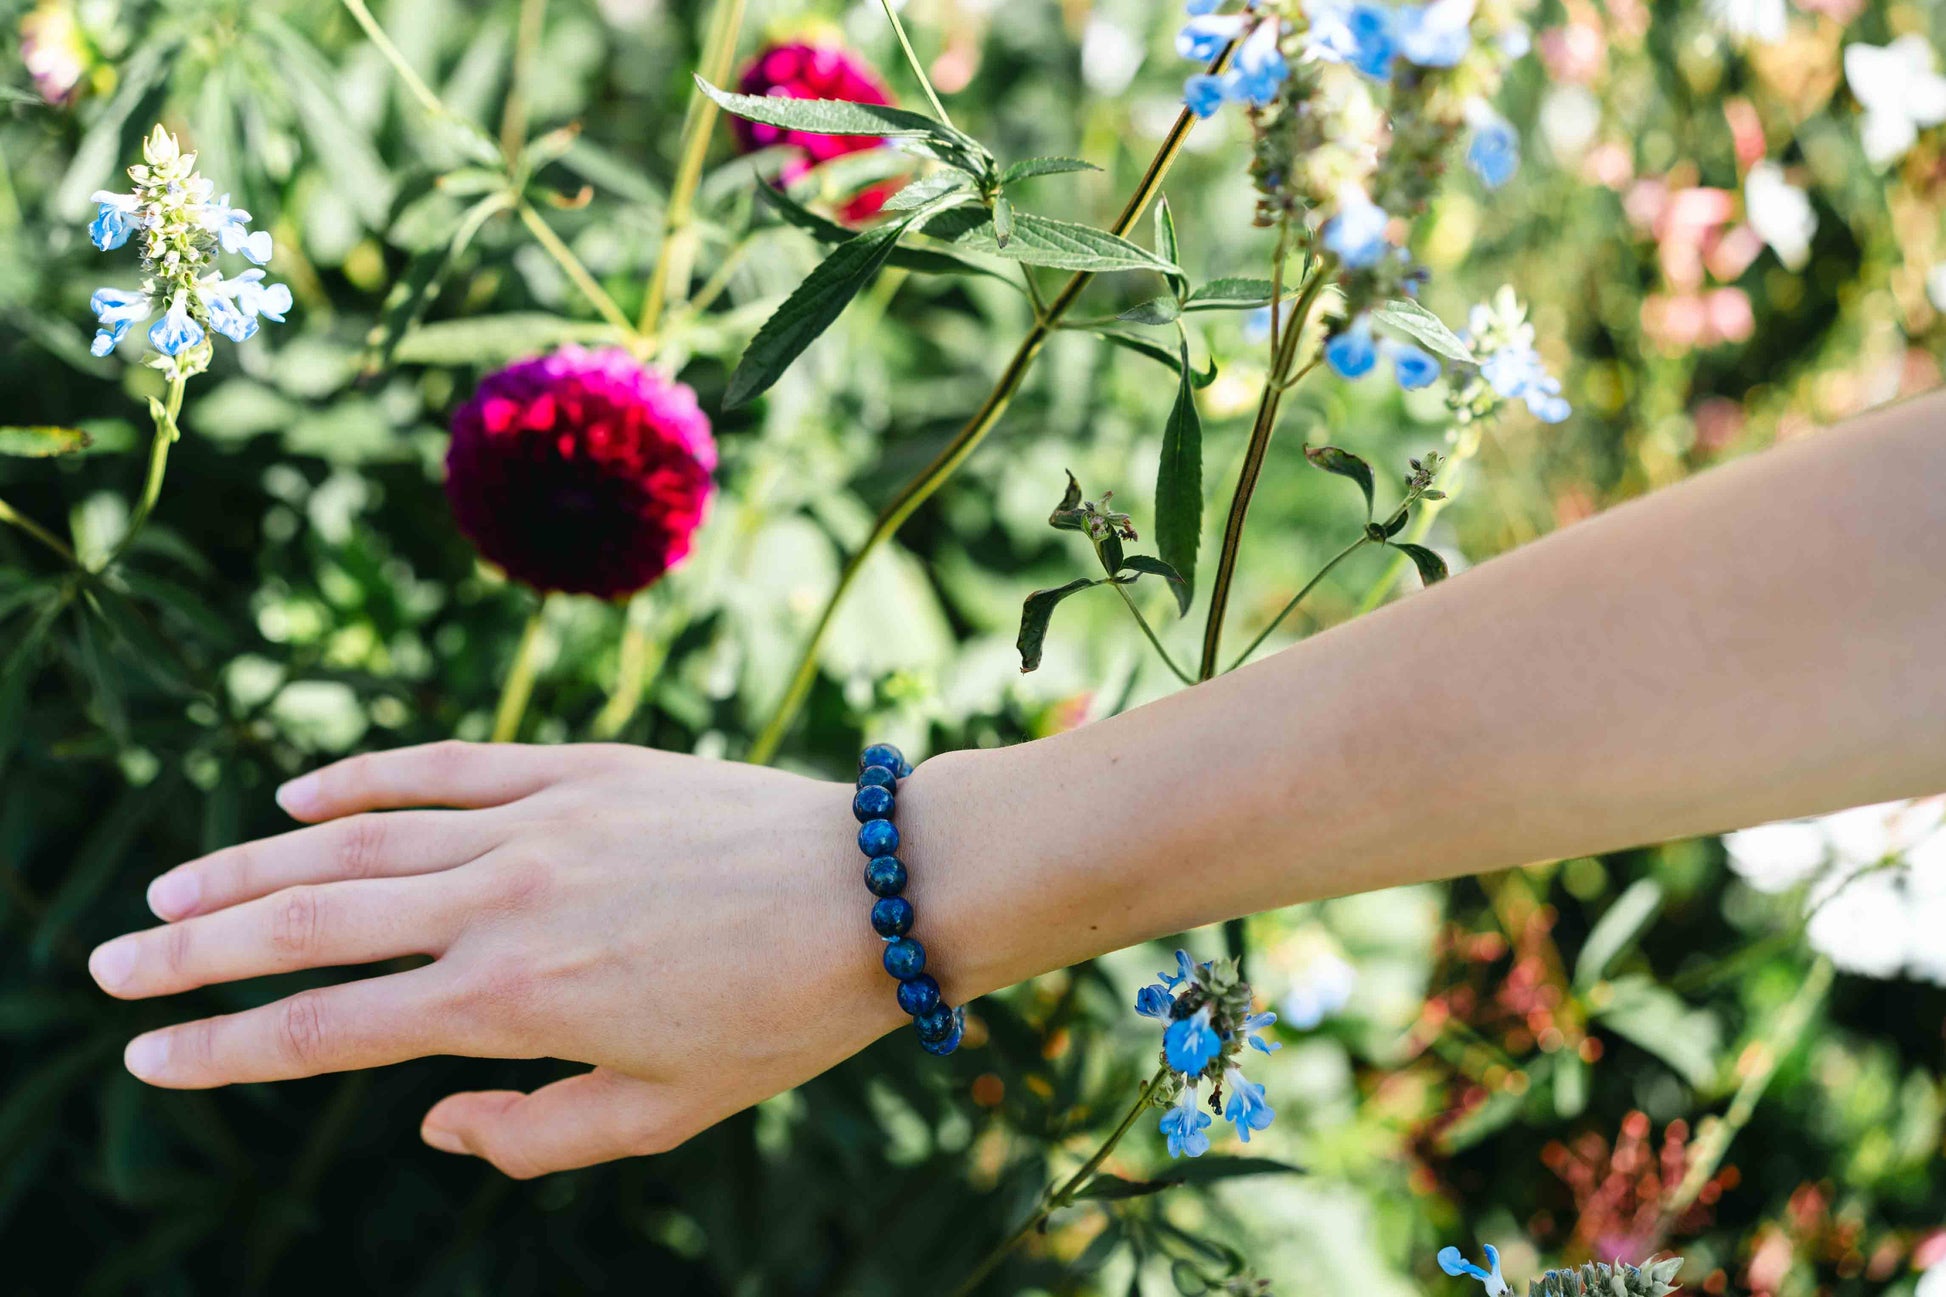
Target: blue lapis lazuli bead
918,994
878,838
935,1023
946,1046
878,777
904,958
883,754
884,876
892,917
871,803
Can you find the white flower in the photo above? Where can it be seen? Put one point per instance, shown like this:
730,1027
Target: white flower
1761,21
1780,213
1901,92
1933,1282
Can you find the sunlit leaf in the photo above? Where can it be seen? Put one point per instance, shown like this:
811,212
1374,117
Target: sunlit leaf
1423,327
1344,464
1034,615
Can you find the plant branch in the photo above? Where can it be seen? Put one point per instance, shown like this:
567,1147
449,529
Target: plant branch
1143,622
9,514
1055,1199
527,39
1298,598
912,61
518,687
583,278
414,83
929,479
166,432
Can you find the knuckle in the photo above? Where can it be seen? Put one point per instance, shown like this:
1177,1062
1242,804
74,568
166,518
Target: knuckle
302,1030
361,846
448,755
175,948
296,922
520,883
515,1161
195,1044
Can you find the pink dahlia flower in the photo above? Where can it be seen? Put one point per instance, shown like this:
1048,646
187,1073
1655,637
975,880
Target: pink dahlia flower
581,471
808,70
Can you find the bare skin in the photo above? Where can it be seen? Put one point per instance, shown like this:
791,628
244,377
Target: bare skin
1763,641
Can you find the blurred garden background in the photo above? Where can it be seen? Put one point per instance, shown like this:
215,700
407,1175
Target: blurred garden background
1730,1051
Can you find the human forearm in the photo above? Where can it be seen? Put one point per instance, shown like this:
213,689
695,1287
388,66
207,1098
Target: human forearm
1762,641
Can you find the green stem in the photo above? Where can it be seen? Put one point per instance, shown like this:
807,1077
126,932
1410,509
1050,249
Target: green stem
583,279
642,655
527,40
1466,445
519,684
912,60
166,432
11,515
1056,1199
929,479
1253,463
383,43
1298,598
670,278
1143,622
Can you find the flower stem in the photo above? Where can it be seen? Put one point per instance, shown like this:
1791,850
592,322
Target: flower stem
519,684
912,60
1298,598
414,83
1467,444
642,655
1253,463
929,479
166,433
10,515
670,278
527,40
583,279
1143,622
1056,1198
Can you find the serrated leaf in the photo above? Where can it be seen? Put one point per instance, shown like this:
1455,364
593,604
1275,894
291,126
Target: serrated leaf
1344,464
1154,351
493,339
920,192
1424,328
1157,310
1626,918
1031,167
1045,241
43,441
919,260
838,117
1166,245
1179,485
1432,568
1659,1021
1034,615
1003,220
1233,294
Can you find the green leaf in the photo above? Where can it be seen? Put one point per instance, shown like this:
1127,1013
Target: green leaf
1156,567
1154,351
1066,515
1157,310
837,117
494,339
1166,245
1344,464
1003,220
1109,550
1044,241
1031,167
810,309
610,172
418,287
1425,328
43,441
1234,294
919,260
1200,1171
1659,1021
1034,615
1179,485
1618,929
920,192
1432,568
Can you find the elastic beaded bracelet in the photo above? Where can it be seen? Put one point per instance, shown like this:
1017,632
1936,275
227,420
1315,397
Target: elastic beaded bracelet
938,1024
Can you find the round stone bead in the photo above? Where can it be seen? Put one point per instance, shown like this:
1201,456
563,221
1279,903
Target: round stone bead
935,1023
892,917
949,1044
871,804
883,754
885,876
878,838
904,958
878,777
918,994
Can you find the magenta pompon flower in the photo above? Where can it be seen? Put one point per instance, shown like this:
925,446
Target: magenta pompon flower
814,70
581,471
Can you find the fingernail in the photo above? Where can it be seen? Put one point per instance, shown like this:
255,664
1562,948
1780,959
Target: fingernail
442,1139
175,894
299,797
112,963
147,1055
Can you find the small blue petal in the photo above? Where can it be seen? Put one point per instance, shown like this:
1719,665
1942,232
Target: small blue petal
110,228
175,332
1203,94
1494,153
1352,353
1190,1043
1153,1001
1415,368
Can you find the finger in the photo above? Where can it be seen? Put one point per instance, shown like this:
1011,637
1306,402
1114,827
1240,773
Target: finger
315,926
357,846
450,773
370,1023
595,1117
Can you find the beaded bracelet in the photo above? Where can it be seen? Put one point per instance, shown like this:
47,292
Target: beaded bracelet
940,1026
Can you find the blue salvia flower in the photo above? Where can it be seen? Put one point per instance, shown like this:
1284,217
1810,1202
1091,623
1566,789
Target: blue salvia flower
1191,1043
180,229
1153,1001
1258,1022
1260,68
1493,150
1414,367
1184,1125
1435,35
1374,44
1357,233
1353,352
1247,1109
1185,970
1507,367
1456,1265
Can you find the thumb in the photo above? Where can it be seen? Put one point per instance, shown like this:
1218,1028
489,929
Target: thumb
594,1117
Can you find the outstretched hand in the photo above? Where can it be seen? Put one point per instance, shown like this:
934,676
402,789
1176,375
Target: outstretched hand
695,930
